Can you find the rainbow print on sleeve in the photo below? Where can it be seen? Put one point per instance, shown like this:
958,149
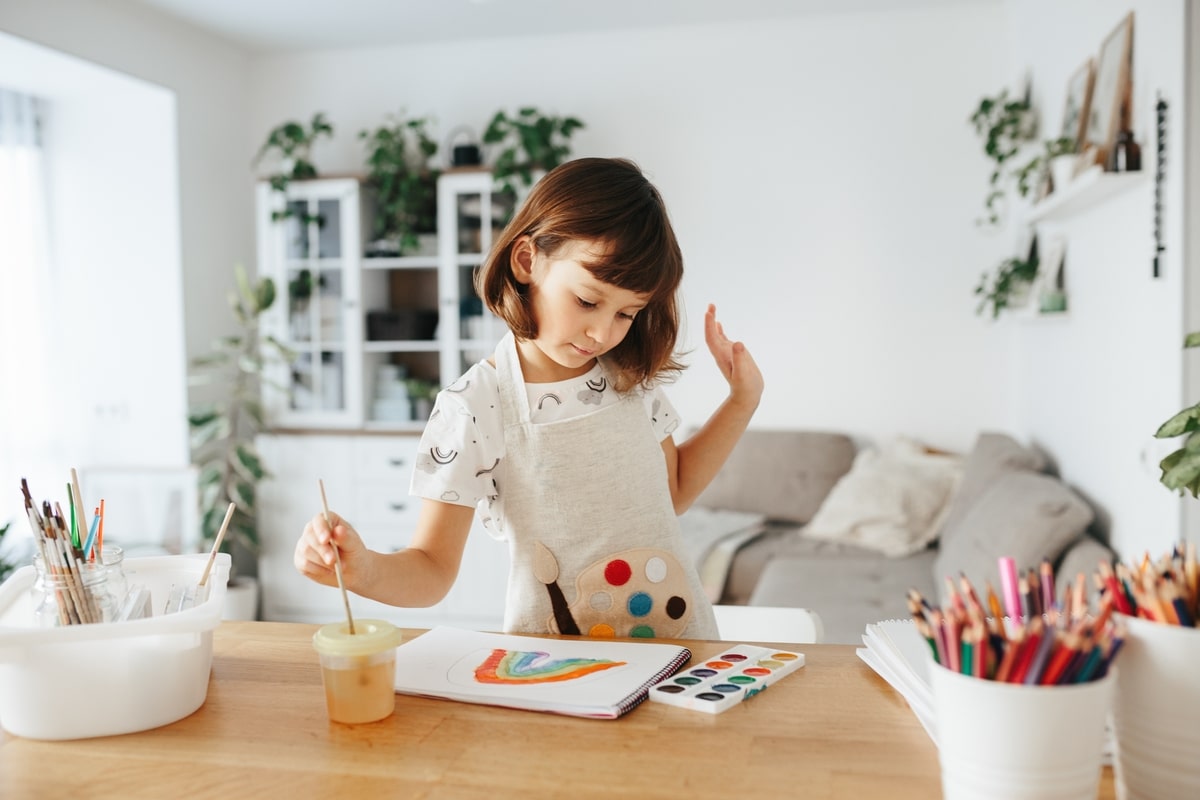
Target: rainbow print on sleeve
516,667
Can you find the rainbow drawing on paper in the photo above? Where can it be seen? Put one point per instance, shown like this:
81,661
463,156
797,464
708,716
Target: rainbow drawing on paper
522,668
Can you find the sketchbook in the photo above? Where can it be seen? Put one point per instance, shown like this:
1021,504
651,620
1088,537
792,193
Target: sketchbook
596,678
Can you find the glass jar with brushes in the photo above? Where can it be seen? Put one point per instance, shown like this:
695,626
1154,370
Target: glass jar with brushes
81,592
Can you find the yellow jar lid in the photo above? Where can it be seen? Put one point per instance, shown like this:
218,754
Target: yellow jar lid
370,636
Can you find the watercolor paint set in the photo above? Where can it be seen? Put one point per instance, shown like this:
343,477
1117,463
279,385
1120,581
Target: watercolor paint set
727,678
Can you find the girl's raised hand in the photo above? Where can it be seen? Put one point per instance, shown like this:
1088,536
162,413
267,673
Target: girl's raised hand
735,362
314,551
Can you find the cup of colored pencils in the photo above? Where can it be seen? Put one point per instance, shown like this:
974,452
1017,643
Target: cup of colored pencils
1156,708
1041,640
1021,691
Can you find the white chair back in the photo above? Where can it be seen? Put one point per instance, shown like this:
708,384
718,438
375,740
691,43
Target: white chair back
776,624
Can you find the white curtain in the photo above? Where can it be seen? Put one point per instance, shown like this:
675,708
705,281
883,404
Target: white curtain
29,374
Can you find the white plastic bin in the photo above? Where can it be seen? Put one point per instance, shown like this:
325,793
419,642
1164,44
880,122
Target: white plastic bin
79,681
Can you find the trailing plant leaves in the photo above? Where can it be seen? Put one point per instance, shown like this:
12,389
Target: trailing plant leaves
528,142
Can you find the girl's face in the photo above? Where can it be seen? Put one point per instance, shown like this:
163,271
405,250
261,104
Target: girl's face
578,316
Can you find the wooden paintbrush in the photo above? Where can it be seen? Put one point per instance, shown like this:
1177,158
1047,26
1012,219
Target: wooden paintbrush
337,558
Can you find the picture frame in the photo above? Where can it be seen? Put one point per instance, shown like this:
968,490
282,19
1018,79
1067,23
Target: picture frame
1078,104
1051,284
1111,94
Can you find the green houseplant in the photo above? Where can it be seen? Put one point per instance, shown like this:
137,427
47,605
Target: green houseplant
1181,468
1011,278
223,430
527,142
6,567
291,143
404,185
1008,128
1004,124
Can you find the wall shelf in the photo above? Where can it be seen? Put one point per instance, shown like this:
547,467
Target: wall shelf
1090,188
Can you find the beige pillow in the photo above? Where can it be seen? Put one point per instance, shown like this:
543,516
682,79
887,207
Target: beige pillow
892,501
783,474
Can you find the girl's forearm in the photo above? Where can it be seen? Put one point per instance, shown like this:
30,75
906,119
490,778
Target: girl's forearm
701,457
408,578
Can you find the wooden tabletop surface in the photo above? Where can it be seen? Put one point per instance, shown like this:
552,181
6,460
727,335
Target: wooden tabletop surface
833,729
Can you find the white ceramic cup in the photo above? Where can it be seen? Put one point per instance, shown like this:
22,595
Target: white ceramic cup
1156,712
1004,741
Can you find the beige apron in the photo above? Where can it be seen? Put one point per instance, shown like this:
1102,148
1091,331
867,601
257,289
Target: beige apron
593,535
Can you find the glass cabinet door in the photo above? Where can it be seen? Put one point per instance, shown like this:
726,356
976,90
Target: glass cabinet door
468,221
315,266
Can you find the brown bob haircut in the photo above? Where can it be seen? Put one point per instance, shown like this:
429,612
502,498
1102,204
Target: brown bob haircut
609,201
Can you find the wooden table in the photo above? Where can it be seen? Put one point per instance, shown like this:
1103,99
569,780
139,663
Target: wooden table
833,729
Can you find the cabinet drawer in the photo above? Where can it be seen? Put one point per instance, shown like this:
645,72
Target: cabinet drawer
385,457
386,504
385,516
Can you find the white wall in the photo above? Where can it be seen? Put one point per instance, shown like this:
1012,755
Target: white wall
1096,385
209,80
820,172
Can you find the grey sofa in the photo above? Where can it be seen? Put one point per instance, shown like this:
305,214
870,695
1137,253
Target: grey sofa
1003,504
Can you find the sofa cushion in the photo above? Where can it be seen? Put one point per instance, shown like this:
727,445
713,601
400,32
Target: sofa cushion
848,591
783,474
1025,515
992,455
892,501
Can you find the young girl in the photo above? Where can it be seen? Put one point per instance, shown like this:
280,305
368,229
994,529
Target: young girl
562,439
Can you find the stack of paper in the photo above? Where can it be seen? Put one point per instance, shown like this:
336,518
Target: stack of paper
895,650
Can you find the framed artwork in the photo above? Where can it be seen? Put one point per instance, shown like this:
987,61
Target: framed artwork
1109,108
1051,284
1078,104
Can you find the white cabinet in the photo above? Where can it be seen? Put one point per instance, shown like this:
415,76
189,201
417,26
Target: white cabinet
366,479
361,327
370,333
305,244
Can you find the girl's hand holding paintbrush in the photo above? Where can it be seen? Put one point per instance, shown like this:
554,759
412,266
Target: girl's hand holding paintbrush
314,556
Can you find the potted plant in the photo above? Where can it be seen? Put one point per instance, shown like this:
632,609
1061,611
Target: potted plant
1008,284
404,185
223,430
1181,468
1004,124
421,394
1008,128
527,142
292,143
6,566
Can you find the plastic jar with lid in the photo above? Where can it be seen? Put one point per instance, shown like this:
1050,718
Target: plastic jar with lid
358,669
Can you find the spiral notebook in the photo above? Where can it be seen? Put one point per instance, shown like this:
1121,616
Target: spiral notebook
595,678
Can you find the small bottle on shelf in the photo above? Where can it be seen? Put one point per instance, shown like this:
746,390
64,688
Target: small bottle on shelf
1127,154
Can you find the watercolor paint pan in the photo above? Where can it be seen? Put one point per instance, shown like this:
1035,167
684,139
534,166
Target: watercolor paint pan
727,678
